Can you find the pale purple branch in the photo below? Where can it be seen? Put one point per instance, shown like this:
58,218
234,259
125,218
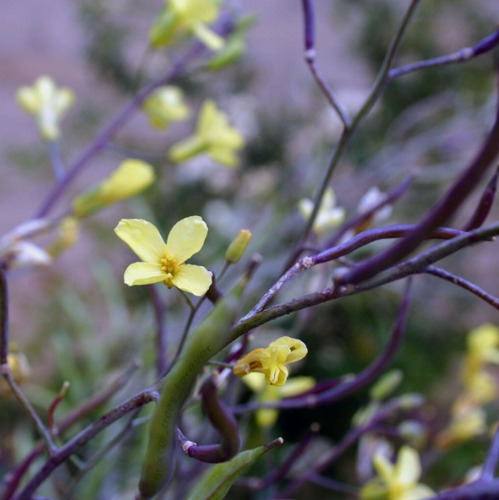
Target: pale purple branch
439,215
310,58
490,464
358,241
463,55
83,437
465,284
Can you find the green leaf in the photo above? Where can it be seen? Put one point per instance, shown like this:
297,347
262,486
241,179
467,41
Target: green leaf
217,480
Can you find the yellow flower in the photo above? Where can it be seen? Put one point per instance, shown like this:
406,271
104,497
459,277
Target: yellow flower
19,368
166,261
47,103
181,17
67,234
165,105
329,215
272,360
214,136
466,424
129,179
397,481
266,417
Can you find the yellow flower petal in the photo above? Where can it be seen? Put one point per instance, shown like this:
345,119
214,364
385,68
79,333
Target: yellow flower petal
207,36
408,467
186,238
193,279
130,178
142,237
143,273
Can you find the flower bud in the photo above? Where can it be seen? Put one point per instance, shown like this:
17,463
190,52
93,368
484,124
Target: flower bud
386,385
238,246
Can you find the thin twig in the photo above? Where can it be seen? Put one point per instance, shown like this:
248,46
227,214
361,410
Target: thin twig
310,58
463,55
467,285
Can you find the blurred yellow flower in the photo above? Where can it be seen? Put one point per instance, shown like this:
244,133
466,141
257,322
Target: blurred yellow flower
397,481
214,136
19,368
166,261
47,103
267,417
67,234
272,360
165,105
329,215
186,17
466,424
129,179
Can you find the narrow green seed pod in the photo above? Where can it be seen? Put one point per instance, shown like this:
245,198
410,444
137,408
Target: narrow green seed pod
208,339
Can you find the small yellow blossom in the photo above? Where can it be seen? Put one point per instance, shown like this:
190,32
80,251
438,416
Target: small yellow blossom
214,137
47,103
19,368
329,215
186,17
129,179
466,424
272,360
165,105
267,417
67,234
166,261
397,481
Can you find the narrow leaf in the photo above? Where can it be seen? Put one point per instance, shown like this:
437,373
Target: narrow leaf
217,480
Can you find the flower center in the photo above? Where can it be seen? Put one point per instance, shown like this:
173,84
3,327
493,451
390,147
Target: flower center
170,267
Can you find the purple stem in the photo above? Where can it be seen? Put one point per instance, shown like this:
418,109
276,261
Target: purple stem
443,211
490,464
4,317
484,205
467,285
223,420
82,438
485,45
284,468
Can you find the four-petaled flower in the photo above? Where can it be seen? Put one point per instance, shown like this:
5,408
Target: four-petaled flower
214,136
397,481
47,103
180,17
272,360
165,105
166,261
